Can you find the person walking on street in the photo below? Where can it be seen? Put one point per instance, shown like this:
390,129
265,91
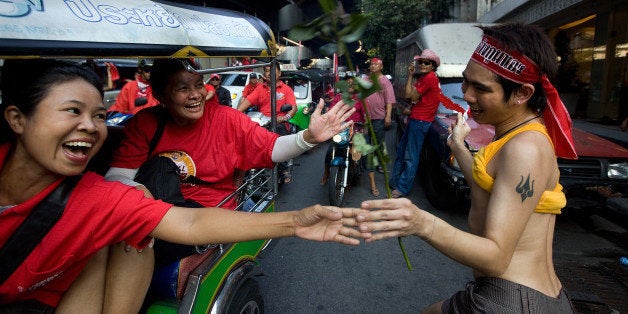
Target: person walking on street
515,192
423,95
379,106
136,95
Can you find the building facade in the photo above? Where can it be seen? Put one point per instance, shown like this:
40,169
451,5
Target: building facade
591,40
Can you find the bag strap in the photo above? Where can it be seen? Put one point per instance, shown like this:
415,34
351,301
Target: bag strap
159,131
35,227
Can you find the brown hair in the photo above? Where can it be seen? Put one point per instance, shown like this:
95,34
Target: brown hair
531,41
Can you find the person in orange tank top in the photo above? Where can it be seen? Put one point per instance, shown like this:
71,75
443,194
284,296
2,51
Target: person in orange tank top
511,220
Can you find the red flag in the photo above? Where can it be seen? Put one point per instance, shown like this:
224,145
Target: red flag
448,103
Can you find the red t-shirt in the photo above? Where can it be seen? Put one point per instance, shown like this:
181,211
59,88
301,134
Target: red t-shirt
358,115
125,101
429,88
214,99
212,149
248,89
99,213
261,97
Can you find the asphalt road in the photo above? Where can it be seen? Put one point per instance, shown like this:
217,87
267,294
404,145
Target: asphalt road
310,277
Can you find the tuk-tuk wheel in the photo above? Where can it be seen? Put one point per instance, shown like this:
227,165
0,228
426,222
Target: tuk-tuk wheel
248,299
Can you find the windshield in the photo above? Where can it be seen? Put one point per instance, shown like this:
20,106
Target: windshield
233,79
300,88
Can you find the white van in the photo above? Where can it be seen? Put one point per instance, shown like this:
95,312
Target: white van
235,81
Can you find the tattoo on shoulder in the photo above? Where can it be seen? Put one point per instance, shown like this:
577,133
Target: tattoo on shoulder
525,189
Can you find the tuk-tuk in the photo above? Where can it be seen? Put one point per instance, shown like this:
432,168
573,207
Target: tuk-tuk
309,86
220,278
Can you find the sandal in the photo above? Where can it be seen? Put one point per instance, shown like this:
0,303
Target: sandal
286,177
375,192
396,194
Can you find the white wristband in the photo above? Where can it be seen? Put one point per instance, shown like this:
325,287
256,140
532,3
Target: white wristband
302,143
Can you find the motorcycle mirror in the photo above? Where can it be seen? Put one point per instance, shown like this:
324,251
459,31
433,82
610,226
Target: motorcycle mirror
286,108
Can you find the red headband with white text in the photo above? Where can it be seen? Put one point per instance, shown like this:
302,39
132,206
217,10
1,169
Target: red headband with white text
517,67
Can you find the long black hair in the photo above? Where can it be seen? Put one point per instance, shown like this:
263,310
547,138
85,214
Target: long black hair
24,83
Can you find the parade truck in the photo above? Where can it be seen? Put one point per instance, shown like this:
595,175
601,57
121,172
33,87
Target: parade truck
600,171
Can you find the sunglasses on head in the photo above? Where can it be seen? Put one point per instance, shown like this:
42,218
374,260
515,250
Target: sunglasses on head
425,62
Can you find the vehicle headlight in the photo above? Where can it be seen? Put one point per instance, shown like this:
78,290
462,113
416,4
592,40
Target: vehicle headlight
342,137
618,170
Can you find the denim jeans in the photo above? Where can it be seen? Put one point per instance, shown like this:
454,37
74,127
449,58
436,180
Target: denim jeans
408,154
380,134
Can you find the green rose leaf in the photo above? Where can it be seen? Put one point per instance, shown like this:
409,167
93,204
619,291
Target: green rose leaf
353,32
361,145
328,6
329,49
302,32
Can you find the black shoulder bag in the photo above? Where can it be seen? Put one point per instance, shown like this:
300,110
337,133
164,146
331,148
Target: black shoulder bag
34,228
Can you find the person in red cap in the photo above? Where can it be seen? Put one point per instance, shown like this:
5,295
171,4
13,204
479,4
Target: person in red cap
221,95
515,193
423,95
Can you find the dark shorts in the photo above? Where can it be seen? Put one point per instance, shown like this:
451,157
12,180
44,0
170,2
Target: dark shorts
495,295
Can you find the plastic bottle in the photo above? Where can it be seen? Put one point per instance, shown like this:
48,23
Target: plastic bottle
623,260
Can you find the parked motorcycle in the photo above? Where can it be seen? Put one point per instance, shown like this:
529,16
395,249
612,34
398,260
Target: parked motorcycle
345,166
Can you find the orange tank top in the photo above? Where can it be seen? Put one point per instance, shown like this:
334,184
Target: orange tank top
551,202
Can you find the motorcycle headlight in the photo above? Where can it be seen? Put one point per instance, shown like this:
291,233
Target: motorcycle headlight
342,137
618,170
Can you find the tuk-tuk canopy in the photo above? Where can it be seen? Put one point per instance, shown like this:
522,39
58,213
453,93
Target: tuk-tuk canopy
123,28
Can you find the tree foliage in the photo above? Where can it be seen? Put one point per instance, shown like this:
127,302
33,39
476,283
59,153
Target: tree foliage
390,20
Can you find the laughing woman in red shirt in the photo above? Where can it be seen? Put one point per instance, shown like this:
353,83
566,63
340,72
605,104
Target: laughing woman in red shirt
54,122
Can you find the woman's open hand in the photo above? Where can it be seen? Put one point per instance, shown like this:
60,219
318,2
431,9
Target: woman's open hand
324,126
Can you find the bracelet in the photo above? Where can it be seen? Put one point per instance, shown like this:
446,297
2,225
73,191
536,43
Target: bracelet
288,116
302,143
